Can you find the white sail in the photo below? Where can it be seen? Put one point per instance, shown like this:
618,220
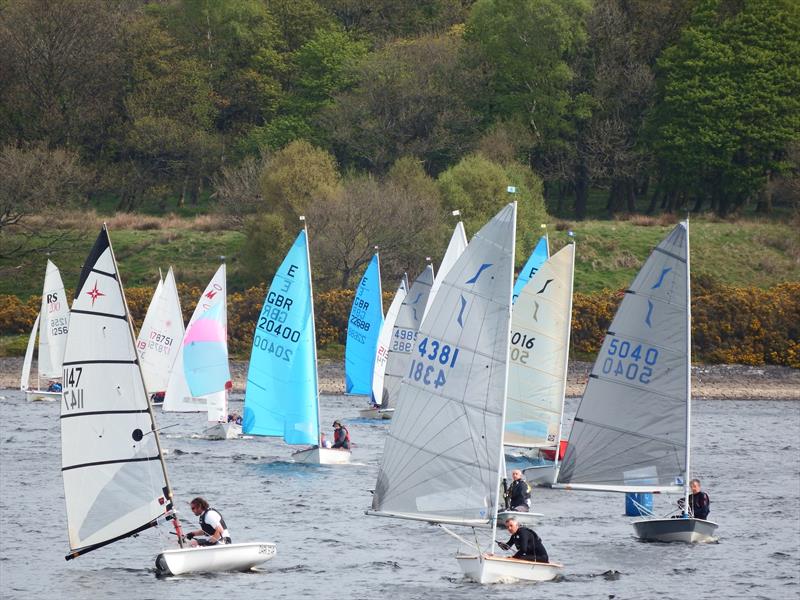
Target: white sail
178,398
537,373
160,337
384,341
630,430
53,324
25,378
404,332
457,245
114,484
442,457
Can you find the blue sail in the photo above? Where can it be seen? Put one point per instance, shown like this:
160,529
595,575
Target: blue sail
540,254
363,329
282,397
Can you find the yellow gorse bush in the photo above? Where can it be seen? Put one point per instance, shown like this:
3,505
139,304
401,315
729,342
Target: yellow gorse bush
729,325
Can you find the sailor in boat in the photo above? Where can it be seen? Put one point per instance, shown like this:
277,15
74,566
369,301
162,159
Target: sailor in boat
157,397
341,437
529,545
212,525
699,503
518,494
54,386
235,418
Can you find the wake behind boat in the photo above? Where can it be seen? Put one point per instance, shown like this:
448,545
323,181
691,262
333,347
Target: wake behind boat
115,477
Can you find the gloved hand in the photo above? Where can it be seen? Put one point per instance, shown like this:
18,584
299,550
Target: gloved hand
189,535
503,545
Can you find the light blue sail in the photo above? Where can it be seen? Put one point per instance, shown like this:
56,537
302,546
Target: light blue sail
540,254
282,397
205,353
363,329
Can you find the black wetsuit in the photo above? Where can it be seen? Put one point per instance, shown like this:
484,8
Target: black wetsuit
529,545
519,492
699,505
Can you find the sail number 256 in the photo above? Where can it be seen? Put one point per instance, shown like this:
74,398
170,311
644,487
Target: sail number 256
633,362
434,358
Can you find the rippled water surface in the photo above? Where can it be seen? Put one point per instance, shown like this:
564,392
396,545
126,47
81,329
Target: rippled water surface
747,453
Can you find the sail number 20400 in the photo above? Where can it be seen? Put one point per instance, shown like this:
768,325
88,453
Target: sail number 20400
633,362
440,355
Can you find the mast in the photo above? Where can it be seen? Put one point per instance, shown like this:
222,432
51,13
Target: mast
502,461
566,363
313,327
688,374
380,287
169,494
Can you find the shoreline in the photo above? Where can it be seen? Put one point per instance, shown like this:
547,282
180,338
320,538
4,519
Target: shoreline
709,382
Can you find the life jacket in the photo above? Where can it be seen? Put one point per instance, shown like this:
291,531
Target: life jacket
206,527
346,436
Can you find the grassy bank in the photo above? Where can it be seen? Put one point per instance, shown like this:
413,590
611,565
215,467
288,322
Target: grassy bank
744,253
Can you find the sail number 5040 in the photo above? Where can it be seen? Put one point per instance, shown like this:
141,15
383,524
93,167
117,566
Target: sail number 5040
624,361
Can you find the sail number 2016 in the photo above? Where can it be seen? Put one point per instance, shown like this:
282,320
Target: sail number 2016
633,362
441,355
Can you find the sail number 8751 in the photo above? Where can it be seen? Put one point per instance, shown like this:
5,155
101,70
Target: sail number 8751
633,362
440,355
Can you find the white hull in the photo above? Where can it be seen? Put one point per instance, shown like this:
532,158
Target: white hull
376,413
489,568
322,456
35,395
541,475
688,531
224,431
208,559
525,519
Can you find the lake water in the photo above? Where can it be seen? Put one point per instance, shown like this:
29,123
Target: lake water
746,452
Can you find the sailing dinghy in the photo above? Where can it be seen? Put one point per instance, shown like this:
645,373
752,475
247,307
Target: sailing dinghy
632,428
363,329
115,478
179,396
282,394
51,325
443,457
376,410
159,339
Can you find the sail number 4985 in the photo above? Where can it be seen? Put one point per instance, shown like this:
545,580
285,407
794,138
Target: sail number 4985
441,355
624,361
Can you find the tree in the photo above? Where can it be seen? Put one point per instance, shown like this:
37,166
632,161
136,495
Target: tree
478,188
405,102
729,102
267,240
389,19
237,190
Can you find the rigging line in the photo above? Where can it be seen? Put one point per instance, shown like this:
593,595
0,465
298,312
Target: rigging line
626,432
641,389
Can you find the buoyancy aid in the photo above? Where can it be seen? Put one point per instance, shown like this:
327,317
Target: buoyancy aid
207,527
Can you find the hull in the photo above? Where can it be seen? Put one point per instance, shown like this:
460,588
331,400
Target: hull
322,456
209,559
525,519
224,431
540,475
376,413
688,531
489,568
37,395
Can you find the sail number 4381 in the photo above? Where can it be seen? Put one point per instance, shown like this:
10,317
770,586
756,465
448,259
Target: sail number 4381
633,362
440,355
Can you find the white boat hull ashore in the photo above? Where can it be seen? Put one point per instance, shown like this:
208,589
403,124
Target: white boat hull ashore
224,431
376,413
688,531
322,456
39,395
210,559
525,519
489,568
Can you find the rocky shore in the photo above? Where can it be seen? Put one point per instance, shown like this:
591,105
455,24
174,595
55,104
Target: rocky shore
731,382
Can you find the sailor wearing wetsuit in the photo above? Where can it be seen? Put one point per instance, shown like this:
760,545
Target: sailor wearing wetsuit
212,525
518,495
699,503
529,545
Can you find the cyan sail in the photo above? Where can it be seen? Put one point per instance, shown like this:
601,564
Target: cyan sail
540,254
363,329
205,353
281,398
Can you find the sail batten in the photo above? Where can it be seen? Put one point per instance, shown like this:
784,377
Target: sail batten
442,457
631,424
